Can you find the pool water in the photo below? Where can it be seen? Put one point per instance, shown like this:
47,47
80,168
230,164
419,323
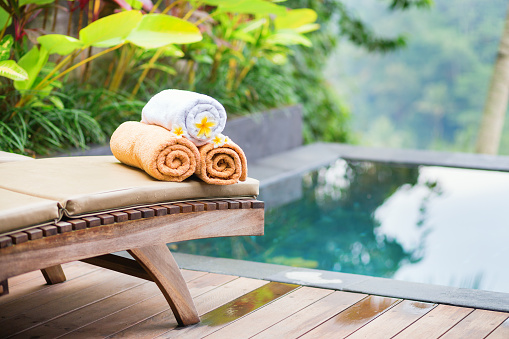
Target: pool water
434,225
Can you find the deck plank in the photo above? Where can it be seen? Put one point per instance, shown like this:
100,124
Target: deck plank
435,323
26,286
353,318
103,308
87,290
501,332
158,307
44,296
394,320
477,324
271,314
232,311
311,316
150,326
34,288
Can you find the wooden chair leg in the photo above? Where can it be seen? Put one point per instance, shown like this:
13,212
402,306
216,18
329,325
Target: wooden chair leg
4,287
54,274
160,265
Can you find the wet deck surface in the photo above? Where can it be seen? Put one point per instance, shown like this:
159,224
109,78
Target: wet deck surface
95,302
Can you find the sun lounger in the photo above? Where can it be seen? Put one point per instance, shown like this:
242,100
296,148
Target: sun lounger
58,210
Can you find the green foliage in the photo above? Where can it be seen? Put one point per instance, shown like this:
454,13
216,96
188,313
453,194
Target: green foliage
257,7
35,2
32,62
10,69
159,30
5,18
5,47
295,18
43,129
406,4
59,44
110,30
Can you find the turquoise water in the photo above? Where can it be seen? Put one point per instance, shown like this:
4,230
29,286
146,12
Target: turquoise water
425,224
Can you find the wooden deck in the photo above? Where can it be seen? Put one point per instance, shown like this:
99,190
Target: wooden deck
96,302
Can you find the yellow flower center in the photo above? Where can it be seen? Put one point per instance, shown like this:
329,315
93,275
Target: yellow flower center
217,139
204,127
178,131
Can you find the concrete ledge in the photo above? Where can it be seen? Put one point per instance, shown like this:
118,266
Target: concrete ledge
422,157
495,301
263,134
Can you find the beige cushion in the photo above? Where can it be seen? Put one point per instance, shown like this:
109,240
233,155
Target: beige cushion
90,184
19,210
9,157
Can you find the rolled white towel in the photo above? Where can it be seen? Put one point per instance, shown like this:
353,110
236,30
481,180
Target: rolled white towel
201,117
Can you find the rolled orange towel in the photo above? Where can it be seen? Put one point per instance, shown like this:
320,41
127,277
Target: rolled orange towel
224,165
162,154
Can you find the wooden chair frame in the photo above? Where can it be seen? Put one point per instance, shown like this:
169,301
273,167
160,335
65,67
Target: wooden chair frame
143,232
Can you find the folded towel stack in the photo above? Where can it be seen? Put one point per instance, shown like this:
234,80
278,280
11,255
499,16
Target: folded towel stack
180,134
155,150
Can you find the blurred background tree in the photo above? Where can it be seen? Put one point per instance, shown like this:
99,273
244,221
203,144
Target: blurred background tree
495,107
429,95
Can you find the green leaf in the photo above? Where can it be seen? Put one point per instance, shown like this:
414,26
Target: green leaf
56,102
295,18
135,4
158,30
277,58
36,2
252,7
110,30
241,35
215,2
10,69
59,44
202,58
32,62
307,28
252,25
5,18
5,47
172,51
288,38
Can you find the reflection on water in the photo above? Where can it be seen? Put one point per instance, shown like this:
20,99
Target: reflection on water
426,224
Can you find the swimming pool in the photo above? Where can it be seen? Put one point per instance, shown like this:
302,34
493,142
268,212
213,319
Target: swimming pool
426,224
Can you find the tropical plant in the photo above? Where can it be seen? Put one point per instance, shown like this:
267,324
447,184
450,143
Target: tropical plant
35,76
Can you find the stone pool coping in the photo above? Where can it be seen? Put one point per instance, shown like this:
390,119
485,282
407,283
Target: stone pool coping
494,301
276,168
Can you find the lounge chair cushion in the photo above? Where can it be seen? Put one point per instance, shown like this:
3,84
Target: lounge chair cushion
20,209
9,157
85,185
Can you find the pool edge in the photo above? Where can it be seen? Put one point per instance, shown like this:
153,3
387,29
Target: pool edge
479,299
